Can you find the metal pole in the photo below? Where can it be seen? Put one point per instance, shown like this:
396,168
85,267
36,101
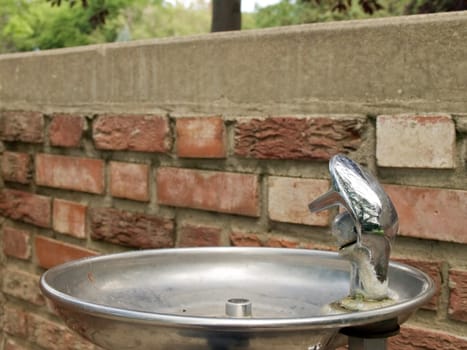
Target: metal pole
356,343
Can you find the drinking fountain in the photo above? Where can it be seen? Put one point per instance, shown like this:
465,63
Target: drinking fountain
229,298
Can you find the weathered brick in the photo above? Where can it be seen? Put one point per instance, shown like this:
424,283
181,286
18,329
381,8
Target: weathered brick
289,198
432,269
209,190
131,228
317,138
241,239
69,218
199,236
15,321
53,336
16,243
415,141
22,126
458,295
201,137
129,180
430,213
145,133
50,252
71,173
66,130
413,338
12,345
16,167
22,285
27,207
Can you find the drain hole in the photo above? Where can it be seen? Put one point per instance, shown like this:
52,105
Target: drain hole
238,307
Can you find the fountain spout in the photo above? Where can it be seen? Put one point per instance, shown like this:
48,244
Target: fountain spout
365,230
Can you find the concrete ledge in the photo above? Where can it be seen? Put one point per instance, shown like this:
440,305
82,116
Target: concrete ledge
416,63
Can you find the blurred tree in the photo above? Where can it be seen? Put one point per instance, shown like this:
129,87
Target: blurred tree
288,12
33,24
431,6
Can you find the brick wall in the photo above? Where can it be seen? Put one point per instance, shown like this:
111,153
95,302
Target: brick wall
102,178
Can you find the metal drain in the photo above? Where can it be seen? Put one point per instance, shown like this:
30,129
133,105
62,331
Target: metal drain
238,307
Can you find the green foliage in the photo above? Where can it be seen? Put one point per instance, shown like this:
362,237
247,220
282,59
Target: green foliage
159,19
288,12
34,24
431,6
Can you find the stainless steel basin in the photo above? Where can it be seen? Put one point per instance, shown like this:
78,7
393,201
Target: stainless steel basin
176,298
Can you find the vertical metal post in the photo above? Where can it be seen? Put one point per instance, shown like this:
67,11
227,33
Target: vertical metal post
356,343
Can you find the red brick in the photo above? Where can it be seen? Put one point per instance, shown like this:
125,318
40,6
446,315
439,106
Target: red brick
316,138
131,228
199,236
16,243
27,207
66,130
431,213
240,239
22,126
145,133
70,173
69,218
209,190
432,269
415,141
289,198
22,285
201,137
458,295
412,338
16,167
319,246
50,252
281,242
15,321
129,180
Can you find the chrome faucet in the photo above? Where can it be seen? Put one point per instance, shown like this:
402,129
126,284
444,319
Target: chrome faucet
365,230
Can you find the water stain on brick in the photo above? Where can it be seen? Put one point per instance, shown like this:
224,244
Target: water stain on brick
310,138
